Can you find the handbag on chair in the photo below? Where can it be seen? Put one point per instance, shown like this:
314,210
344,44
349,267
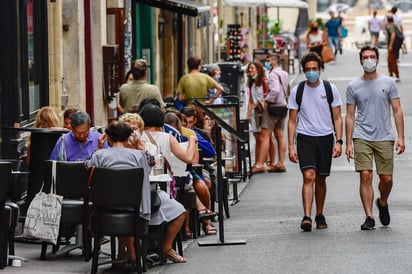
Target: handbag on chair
43,215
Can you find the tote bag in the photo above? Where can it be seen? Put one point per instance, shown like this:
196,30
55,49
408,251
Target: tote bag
43,215
327,54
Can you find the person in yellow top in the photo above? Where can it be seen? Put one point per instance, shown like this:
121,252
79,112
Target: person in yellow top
196,84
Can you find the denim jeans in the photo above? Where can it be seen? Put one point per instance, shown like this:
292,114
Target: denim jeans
334,41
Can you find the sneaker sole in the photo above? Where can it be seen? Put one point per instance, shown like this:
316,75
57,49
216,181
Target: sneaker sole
367,228
321,226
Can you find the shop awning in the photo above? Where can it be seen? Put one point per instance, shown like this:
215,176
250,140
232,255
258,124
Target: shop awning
186,7
268,3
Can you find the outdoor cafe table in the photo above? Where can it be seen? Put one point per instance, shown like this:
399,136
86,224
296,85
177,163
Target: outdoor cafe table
162,180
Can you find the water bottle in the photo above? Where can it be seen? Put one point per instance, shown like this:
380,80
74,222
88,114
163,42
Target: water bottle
160,161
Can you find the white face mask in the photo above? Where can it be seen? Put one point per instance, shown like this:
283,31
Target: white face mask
369,65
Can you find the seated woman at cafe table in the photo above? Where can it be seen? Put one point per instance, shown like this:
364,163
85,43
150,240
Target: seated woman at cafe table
123,153
200,185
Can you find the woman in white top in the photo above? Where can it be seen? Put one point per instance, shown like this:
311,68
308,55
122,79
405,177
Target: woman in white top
258,117
315,40
374,26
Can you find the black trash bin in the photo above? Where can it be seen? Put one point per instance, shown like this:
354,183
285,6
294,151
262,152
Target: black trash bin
231,79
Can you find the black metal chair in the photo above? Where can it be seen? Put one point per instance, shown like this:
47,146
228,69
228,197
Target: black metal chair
16,199
245,158
188,199
116,195
72,184
5,211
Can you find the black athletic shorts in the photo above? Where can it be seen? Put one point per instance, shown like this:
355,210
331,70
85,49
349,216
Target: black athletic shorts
315,152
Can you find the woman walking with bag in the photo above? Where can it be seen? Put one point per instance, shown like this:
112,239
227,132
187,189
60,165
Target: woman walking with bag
256,114
315,40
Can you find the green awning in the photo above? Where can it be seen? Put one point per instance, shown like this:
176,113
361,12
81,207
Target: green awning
186,7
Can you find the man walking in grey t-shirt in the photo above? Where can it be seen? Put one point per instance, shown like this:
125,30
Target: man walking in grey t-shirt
370,136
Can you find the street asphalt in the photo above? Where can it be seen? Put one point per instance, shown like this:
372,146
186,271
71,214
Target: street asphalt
269,212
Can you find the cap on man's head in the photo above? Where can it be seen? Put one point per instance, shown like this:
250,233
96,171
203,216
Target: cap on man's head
212,67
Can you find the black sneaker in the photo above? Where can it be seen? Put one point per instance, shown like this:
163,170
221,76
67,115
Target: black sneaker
306,224
384,216
369,224
321,222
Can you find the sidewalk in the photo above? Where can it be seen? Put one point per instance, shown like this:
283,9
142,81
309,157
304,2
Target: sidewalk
268,214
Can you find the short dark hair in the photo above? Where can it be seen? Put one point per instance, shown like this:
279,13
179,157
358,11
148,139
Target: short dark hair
69,112
274,56
152,116
80,118
139,68
118,131
126,78
193,62
189,111
369,47
309,57
149,101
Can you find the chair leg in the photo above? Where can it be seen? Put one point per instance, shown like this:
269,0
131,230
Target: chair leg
225,197
113,247
87,244
43,251
178,241
144,247
138,254
96,249
3,249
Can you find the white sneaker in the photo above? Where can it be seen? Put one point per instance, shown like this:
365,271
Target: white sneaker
397,79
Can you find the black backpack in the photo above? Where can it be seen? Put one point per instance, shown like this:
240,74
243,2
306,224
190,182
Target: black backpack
399,37
329,96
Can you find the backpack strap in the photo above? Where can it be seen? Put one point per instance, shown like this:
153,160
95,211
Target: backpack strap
329,96
299,94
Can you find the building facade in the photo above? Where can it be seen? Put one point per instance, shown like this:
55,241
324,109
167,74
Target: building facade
70,53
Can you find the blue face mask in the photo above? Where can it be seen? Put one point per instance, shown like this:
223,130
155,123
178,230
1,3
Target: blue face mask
312,76
268,66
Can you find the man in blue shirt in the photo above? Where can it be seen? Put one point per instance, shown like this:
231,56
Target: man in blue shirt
80,143
333,26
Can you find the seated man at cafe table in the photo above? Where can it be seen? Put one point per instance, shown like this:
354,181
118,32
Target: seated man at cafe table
80,143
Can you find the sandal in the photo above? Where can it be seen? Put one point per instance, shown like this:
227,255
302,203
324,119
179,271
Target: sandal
174,257
205,213
189,234
209,229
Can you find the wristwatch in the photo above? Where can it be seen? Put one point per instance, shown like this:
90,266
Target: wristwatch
340,141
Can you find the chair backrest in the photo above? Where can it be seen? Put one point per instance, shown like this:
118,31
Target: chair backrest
20,179
17,164
117,186
5,175
71,179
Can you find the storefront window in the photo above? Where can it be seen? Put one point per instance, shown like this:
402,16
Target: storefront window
34,87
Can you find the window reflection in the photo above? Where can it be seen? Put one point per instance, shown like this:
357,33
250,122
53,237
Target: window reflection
34,89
